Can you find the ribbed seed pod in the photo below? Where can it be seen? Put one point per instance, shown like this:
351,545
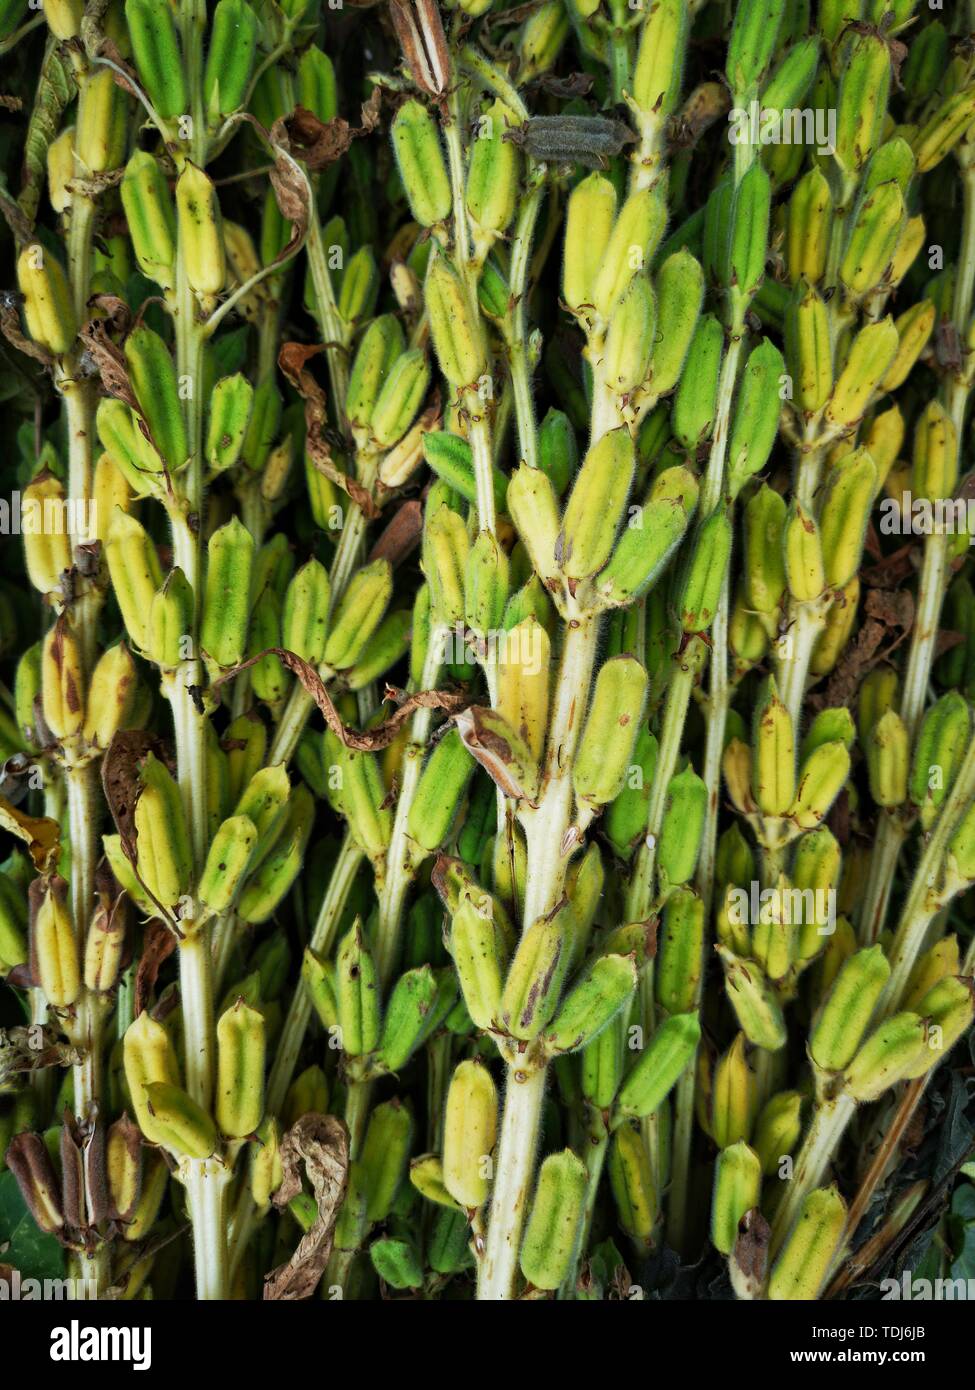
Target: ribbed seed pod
155,48
48,308
893,1049
606,746
535,976
148,1057
226,603
888,751
631,1180
54,947
229,415
385,1154
240,1071
773,753
357,990
846,1013
162,837
777,1130
153,377
470,1129
661,1064
807,1256
733,1097
680,961
737,1190
230,57
358,614
754,1001
200,233
590,215
150,211
455,331
680,288
416,144
304,618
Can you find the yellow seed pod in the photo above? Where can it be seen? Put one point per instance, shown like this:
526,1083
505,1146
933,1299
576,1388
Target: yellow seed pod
47,542
62,682
631,1179
147,1055
48,308
840,620
162,836
588,225
183,1127
54,961
871,354
803,555
61,169
154,1181
102,132
773,754
882,438
64,17
888,752
807,1256
914,328
470,1129
843,518
737,1190
240,1070
110,489
635,235
734,1096
911,240
942,960
200,234
104,948
135,573
243,263
523,677
267,1169
935,470
110,695
948,1009
123,1167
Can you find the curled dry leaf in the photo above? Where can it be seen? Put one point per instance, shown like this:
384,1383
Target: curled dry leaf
320,1144
41,835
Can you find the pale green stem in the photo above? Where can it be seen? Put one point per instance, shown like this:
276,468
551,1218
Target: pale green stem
517,333
829,1123
206,1181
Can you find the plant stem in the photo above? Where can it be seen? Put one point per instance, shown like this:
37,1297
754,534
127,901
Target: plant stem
206,1181
829,1122
513,1169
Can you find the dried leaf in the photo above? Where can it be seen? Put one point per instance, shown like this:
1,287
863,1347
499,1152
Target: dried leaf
10,328
419,30
401,535
120,779
749,1258
320,143
158,945
321,1144
41,834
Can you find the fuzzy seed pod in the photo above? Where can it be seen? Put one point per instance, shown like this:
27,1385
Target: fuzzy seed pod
155,48
470,1129
230,58
226,602
807,1256
47,547
889,1053
480,956
935,469
304,619
871,354
240,1071
649,540
777,1130
385,1153
416,144
680,288
179,1123
153,377
737,1190
48,309
162,836
606,746
200,233
150,211
807,238
535,976
357,994
659,1067
681,954
846,1013
887,749
754,1001
773,753
590,216
593,1003
439,793
629,342
700,588
54,946
148,1057
733,1096
631,1179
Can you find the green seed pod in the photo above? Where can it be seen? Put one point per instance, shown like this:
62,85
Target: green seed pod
470,1130
228,860
358,995
48,309
873,240
888,750
360,286
821,779
558,452
748,245
485,585
737,1190
681,829
455,331
861,102
663,1061
602,1064
696,399
606,746
269,679
681,955
589,220
939,136
316,86
533,507
388,643
807,238
200,233
266,1169
734,861
101,134
625,821
263,427
275,877
320,980
815,870
416,144
400,397
700,588
629,342
679,293
226,602
933,966
229,416
889,1053
765,516
631,1178
649,540
869,359
240,1071
773,753
803,552
406,1023
659,65
381,344
230,58
935,469
756,415
54,947
162,836
733,1097
153,377
397,1263
148,1057
848,1009
440,791
304,619
878,694
593,1003
534,983
385,1154
634,238
426,1175
940,747
845,512
179,1123
777,1130
948,1008
807,1256
363,796
358,614
452,459
754,1001
554,1220
492,174
751,47
596,505
155,48
540,39
47,551
13,925
480,957
120,434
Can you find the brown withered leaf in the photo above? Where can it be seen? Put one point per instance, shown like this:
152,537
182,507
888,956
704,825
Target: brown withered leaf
889,614
320,1145
320,143
749,1258
32,1047
401,535
419,30
41,834
10,328
382,735
292,360
110,361
120,779
493,750
158,944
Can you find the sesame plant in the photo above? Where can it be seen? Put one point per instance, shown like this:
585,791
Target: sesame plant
488,646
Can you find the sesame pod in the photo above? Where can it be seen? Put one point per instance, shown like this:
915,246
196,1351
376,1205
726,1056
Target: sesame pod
162,837
821,778
62,682
47,548
155,48
320,980
629,342
170,624
939,749
240,1070
110,694
275,877
148,1056
363,796
601,1067
680,962
360,286
534,983
816,869
426,1175
845,512
540,39
631,1179
452,459
380,346
808,348
54,947
48,309
179,1123
773,754
660,55
29,1160
446,548
765,515
357,992
948,1008
439,793
680,288
152,374
229,416
397,1263
888,750
908,248
878,694
939,135
625,821
230,58
455,330
861,102
695,402
803,551
933,966
749,232
358,614
492,173
486,585
803,1267
700,588
660,1065
634,238
777,1130
316,87
123,1168
596,505
737,1190
914,329
756,416
733,1096
554,1220
416,144
226,602
751,46
840,620
150,214
470,1130
873,239
385,1154
807,235
388,643
200,235
589,220
480,957
121,434
681,829
228,861
263,426
101,134
307,1094
266,1169
895,1047
649,540
754,1001
243,262
846,1013
304,618
592,1003
269,679
400,397
869,360
935,467
612,724
64,17
405,1024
